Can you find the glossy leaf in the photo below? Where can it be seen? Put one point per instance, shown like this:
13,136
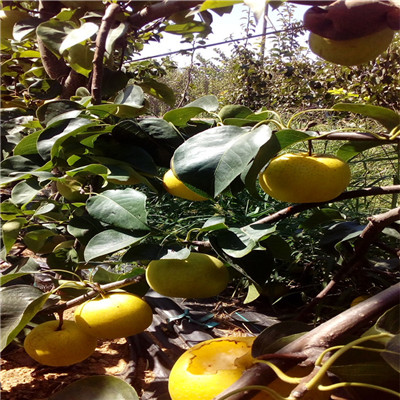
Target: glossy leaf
53,32
159,90
212,159
19,304
27,145
109,241
278,335
45,89
320,217
128,103
211,4
234,111
23,192
267,151
351,149
28,266
180,116
288,137
10,232
385,116
389,321
124,209
79,35
392,353
54,135
237,242
17,167
98,387
57,109
80,59
84,228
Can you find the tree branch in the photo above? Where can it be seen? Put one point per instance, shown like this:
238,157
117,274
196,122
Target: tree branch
106,24
55,68
352,194
159,10
314,342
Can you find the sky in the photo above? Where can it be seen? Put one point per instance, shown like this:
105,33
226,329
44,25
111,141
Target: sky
229,26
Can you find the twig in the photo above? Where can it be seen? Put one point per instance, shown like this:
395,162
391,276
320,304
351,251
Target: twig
89,295
291,210
106,24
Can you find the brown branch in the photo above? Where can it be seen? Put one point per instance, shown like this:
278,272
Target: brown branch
98,59
376,225
159,10
314,342
55,68
352,194
91,294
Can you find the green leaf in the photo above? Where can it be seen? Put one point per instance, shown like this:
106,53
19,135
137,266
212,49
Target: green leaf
341,232
110,241
84,228
211,4
159,90
27,145
278,247
56,110
23,192
17,167
53,32
79,35
98,387
54,135
267,151
212,159
181,116
132,96
114,35
389,321
288,137
28,267
208,103
351,149
320,217
385,116
80,59
36,239
257,7
278,335
213,224
234,111
124,209
189,27
10,231
45,89
392,353
128,103
22,29
19,304
253,293
104,276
